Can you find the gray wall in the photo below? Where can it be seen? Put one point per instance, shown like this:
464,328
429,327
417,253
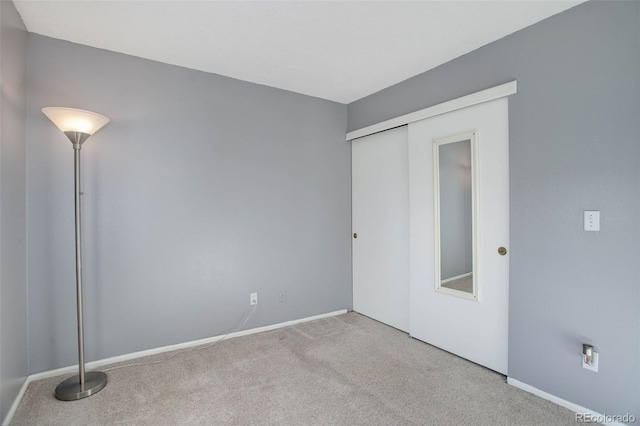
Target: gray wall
456,233
13,227
574,146
201,190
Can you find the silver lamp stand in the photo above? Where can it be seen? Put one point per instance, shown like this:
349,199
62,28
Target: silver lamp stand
83,384
78,125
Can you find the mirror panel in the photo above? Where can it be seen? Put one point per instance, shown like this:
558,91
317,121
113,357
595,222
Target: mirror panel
455,197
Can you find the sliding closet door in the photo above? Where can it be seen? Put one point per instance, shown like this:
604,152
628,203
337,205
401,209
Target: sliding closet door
380,189
459,221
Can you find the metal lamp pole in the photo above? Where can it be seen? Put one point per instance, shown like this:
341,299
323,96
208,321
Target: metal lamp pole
83,384
78,125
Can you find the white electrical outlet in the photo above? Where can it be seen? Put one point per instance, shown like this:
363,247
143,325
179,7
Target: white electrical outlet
283,296
592,220
594,363
253,299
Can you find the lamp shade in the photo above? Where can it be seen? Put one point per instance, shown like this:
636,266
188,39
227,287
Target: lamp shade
75,120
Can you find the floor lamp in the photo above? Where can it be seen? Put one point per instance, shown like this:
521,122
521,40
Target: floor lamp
78,125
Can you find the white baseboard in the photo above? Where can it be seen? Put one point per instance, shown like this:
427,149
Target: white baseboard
16,402
556,400
99,363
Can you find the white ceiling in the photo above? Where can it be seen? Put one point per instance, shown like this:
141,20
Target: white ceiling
336,50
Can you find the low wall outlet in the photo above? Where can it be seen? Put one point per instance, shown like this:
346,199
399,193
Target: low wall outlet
594,364
253,299
283,296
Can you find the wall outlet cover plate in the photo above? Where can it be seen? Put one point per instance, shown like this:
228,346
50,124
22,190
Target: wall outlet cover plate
594,365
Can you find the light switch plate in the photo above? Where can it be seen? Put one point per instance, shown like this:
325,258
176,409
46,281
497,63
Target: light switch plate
592,220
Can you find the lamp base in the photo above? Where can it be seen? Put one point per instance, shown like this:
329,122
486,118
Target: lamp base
69,390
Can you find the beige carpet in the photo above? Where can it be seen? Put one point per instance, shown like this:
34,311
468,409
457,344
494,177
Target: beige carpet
345,370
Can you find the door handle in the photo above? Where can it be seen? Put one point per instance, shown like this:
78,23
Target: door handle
355,235
502,251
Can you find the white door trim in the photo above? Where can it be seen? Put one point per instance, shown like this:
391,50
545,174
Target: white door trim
486,95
